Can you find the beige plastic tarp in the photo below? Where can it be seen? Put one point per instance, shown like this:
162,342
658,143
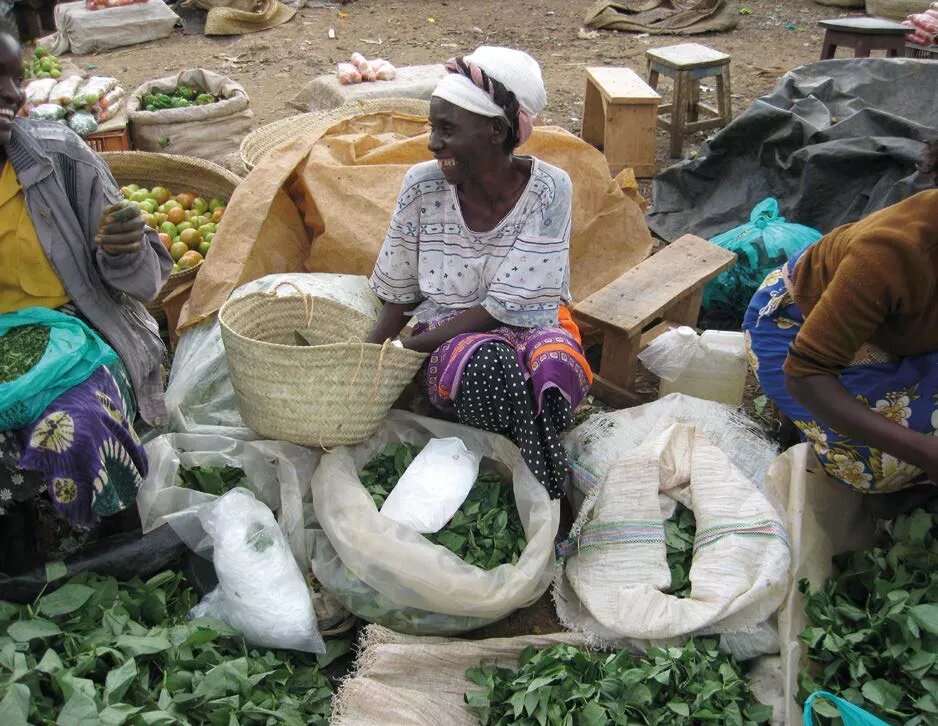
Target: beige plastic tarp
670,17
322,203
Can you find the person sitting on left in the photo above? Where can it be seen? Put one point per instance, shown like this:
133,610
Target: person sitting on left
69,244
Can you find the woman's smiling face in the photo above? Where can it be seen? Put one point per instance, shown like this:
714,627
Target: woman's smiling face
11,81
461,141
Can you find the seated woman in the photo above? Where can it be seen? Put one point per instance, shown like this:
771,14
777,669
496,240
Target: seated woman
478,253
61,249
844,339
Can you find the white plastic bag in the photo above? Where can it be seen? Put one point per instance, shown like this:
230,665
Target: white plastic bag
393,575
434,486
200,398
261,591
277,472
670,353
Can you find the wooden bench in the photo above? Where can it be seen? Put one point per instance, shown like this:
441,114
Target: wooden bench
620,111
661,292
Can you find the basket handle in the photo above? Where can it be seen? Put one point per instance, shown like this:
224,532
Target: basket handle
308,300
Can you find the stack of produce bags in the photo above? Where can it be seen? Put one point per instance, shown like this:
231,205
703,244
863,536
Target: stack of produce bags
361,69
924,26
80,104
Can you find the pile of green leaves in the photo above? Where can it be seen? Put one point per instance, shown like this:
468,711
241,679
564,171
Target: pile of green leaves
97,651
20,349
485,531
873,628
679,532
210,479
564,685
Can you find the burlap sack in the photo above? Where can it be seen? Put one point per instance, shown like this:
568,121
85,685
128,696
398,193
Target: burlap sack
406,680
206,132
614,580
323,203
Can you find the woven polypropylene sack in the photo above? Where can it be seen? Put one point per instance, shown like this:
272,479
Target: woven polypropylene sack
895,9
335,391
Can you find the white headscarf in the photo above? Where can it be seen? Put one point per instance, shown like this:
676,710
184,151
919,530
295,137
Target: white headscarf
514,69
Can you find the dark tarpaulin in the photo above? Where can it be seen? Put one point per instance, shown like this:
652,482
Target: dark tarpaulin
834,141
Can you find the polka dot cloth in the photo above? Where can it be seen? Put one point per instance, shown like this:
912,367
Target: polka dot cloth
494,396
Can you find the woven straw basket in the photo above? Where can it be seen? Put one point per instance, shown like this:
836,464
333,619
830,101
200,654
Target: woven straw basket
257,144
178,173
325,394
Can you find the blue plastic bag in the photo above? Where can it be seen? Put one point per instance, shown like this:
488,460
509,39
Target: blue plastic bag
763,244
851,714
73,353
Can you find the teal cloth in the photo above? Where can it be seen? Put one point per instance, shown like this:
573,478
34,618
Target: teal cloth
73,353
763,244
850,714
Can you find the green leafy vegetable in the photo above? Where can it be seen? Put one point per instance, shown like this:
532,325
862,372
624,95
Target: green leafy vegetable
679,532
872,632
210,479
21,348
101,652
564,685
485,531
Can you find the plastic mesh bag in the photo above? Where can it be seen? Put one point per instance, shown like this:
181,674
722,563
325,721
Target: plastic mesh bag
763,244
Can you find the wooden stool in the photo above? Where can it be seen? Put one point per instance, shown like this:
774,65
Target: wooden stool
659,293
686,64
619,113
863,35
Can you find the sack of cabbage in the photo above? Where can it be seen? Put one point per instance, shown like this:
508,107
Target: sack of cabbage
494,557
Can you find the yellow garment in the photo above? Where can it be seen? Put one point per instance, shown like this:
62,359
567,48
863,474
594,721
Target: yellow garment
26,277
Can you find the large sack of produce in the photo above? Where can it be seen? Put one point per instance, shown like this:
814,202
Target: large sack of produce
89,31
194,113
389,573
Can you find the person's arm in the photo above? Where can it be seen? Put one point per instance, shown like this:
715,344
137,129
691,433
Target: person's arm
390,322
826,398
473,320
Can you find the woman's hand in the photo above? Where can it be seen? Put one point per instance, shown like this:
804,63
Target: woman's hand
120,231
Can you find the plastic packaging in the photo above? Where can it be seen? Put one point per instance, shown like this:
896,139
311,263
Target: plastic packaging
670,353
383,70
348,74
37,92
717,372
65,90
851,714
434,486
93,90
47,112
82,123
412,574
762,244
109,106
261,591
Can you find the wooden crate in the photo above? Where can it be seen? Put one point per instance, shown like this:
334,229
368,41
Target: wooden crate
118,140
929,52
620,112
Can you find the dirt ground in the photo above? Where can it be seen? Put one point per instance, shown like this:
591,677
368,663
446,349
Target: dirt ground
773,36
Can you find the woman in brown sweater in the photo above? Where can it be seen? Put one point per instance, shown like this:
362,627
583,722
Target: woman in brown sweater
844,339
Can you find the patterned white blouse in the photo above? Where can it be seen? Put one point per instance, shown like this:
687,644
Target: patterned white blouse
518,271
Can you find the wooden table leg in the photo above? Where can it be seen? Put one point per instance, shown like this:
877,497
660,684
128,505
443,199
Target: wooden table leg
679,112
616,373
594,116
686,311
828,49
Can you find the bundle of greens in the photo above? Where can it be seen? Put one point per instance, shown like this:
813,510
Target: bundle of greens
873,628
565,685
486,530
96,651
679,532
210,479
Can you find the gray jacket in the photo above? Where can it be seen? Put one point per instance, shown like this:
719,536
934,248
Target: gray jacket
67,186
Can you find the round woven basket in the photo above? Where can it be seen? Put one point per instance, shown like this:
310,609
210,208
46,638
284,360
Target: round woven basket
259,142
334,391
177,173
